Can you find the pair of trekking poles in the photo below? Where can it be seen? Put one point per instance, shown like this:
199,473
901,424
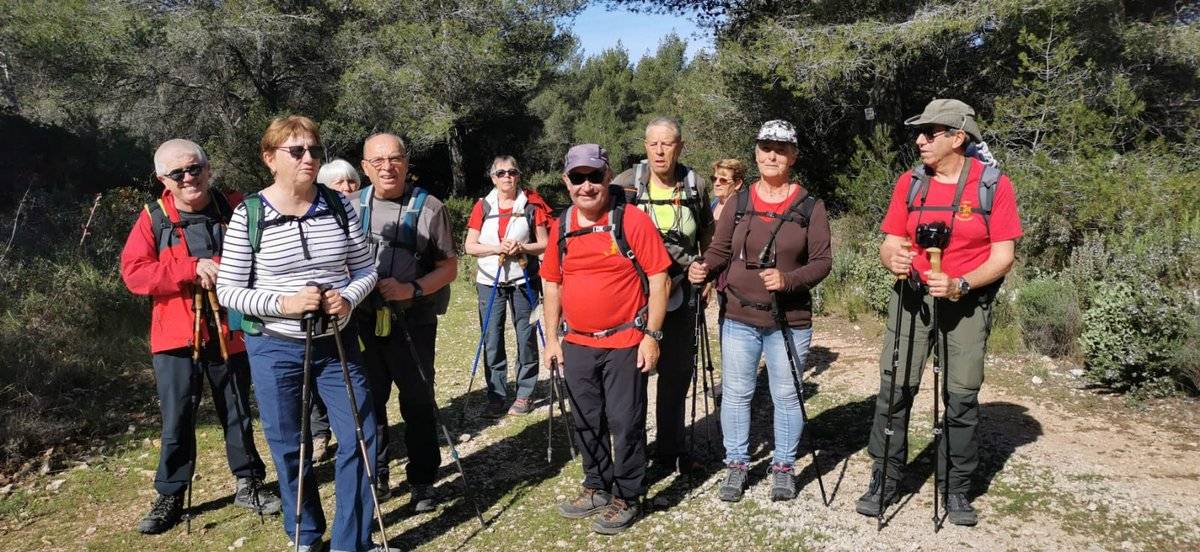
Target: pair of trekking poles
310,320
702,369
933,237
556,384
201,299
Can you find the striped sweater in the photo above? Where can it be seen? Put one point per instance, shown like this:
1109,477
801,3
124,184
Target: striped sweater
281,267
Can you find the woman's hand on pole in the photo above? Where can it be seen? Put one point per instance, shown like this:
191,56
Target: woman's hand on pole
697,273
308,299
772,279
336,305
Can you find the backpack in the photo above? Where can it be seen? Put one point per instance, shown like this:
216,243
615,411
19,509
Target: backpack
530,210
161,222
615,228
987,192
691,200
799,212
408,224
255,225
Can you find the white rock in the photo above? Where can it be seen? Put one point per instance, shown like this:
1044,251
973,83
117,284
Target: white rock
54,485
1036,380
1092,506
90,530
1077,372
6,489
240,542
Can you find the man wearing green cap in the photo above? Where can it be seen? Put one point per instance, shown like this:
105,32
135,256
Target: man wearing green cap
962,189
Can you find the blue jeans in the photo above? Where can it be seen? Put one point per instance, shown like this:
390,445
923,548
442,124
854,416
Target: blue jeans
277,368
495,359
741,347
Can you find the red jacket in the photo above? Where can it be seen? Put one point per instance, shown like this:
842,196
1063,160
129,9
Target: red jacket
169,279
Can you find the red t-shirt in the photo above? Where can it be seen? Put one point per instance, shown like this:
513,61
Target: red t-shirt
758,204
600,287
970,239
541,212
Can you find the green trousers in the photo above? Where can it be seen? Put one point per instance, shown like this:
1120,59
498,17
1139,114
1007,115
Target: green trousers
963,328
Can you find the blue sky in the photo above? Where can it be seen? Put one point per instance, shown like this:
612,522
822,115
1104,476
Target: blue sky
599,29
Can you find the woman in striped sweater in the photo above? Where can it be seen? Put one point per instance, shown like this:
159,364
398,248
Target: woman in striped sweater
302,238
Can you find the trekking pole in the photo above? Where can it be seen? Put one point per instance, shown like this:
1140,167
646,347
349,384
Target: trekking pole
487,318
555,382
197,318
358,427
889,430
796,371
214,307
437,416
309,321
934,237
194,381
695,372
707,374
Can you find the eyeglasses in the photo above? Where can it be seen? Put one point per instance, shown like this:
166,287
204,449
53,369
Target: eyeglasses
595,177
177,174
509,172
930,135
379,162
297,152
722,180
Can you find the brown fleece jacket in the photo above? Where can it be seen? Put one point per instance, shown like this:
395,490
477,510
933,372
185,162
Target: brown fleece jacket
803,255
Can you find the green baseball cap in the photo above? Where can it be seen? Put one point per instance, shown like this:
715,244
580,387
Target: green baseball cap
950,113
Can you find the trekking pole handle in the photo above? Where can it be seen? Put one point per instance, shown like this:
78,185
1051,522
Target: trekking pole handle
935,259
322,288
904,248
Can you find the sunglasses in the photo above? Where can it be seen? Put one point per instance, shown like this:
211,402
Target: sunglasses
595,177
722,180
930,134
506,172
297,152
177,174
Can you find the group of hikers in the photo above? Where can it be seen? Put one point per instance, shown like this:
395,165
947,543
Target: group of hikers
325,293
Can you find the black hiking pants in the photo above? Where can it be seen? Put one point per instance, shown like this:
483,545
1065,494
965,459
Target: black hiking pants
675,365
229,384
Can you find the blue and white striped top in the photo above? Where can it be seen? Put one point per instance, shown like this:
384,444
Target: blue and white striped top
280,267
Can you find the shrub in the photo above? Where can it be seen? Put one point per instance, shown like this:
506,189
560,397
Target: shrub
857,283
459,210
1133,337
1049,317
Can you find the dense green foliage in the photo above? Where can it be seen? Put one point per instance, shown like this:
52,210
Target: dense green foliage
1092,107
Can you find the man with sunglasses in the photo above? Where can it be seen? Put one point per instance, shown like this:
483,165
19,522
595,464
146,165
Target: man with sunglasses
605,277
172,255
416,260
676,199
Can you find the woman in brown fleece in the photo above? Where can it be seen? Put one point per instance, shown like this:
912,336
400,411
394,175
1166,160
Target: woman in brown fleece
774,244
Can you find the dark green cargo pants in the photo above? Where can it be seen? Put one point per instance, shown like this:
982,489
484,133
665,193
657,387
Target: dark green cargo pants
965,326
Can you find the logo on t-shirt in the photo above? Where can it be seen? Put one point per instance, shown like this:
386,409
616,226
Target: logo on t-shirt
964,211
612,250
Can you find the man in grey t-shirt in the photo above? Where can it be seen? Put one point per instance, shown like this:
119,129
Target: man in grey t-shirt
415,270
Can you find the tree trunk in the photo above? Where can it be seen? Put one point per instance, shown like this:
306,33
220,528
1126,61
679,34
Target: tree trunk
7,90
458,172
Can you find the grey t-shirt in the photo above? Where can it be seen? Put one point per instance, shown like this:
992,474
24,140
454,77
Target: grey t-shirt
434,242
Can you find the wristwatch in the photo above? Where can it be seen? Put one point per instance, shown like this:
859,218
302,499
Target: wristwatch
417,291
964,287
656,334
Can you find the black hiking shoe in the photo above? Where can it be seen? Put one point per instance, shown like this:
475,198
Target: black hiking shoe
589,501
424,498
163,515
617,517
868,503
783,482
734,486
383,490
251,494
959,510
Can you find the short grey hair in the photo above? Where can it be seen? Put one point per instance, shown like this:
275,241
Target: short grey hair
176,146
336,170
503,159
666,122
403,146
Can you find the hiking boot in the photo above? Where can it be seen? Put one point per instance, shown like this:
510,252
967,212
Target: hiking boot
251,494
523,405
383,490
783,482
163,515
734,486
617,517
320,447
959,510
589,501
424,498
494,410
868,503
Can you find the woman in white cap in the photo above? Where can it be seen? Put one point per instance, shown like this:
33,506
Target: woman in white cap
774,243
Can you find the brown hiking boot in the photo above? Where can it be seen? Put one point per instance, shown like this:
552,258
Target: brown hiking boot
589,501
619,515
523,405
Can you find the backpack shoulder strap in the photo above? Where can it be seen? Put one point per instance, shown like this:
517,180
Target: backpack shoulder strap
485,209
333,202
805,209
743,202
987,189
918,180
364,209
254,217
408,225
564,226
616,218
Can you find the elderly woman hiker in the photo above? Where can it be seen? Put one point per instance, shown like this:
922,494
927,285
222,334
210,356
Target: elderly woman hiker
775,245
506,231
296,264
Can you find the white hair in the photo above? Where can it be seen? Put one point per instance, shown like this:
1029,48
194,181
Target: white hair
174,147
665,122
336,170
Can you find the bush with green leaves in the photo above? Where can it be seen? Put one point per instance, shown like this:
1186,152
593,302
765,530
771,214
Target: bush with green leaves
1049,316
1133,337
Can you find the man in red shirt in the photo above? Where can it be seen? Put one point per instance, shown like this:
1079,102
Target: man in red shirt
605,277
951,187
